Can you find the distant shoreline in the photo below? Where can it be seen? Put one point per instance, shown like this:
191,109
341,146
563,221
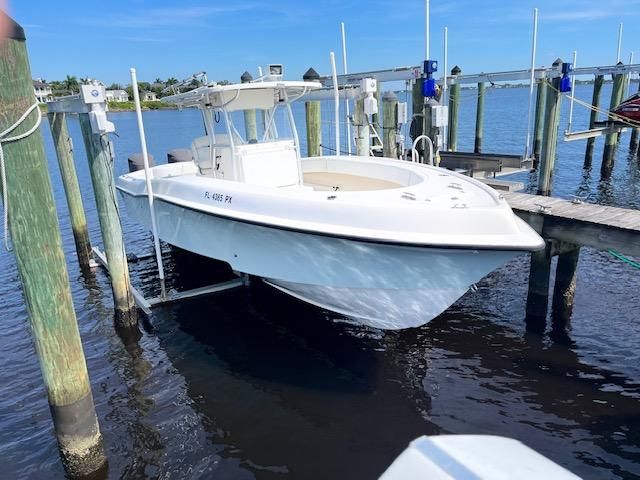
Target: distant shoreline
128,106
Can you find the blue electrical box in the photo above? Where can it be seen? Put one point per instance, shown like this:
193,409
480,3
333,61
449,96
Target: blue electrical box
429,87
567,67
565,81
430,66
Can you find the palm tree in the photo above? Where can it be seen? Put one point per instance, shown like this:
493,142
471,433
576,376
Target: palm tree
171,81
71,84
158,80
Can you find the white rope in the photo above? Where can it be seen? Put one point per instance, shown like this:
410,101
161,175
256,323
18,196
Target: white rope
3,175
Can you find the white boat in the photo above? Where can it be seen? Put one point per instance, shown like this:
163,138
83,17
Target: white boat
390,243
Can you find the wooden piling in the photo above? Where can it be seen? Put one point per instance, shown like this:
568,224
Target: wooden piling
541,100
552,121
99,154
313,119
41,264
608,156
565,287
250,126
375,118
363,136
390,124
64,152
454,106
538,293
635,133
479,118
595,102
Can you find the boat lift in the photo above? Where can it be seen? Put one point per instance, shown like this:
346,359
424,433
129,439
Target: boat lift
92,100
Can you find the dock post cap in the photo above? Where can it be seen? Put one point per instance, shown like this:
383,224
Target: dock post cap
246,77
558,61
14,30
389,96
311,75
456,70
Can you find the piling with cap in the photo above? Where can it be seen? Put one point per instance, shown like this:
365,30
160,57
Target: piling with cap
454,106
541,100
250,126
479,118
552,121
64,152
313,119
389,124
40,261
595,103
100,156
612,138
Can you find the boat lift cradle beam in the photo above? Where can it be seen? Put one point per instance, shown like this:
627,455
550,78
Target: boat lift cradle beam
76,104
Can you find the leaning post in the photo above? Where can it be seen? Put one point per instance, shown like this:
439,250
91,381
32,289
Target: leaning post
595,103
42,268
389,124
541,99
454,106
479,118
250,127
64,152
99,154
313,119
608,155
552,121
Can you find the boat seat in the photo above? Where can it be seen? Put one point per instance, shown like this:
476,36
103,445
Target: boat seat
217,165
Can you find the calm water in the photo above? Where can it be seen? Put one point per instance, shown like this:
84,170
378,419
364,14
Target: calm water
254,384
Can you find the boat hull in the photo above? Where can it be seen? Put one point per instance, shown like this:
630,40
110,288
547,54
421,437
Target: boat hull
384,285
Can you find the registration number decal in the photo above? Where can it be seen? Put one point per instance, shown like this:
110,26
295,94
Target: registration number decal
217,197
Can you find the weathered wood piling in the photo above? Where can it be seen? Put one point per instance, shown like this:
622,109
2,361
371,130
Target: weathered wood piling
363,135
64,152
565,287
541,102
477,148
389,124
538,292
313,119
593,117
551,123
100,156
250,126
454,106
611,140
41,264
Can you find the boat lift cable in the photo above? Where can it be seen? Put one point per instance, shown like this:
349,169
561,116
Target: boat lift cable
3,174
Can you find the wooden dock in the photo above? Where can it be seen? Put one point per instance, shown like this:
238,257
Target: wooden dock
579,223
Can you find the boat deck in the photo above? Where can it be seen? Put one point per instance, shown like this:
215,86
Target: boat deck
329,181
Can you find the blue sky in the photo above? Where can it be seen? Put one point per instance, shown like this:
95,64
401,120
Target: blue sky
165,38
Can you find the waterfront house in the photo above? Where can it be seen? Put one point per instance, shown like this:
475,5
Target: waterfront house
148,96
42,90
117,96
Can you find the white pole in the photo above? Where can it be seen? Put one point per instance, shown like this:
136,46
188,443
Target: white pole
336,98
148,175
532,80
629,79
426,30
346,98
573,92
619,43
445,100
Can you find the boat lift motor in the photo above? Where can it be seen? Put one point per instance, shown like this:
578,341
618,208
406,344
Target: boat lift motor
368,87
95,96
428,82
565,81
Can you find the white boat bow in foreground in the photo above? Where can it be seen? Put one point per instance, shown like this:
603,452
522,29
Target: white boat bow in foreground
389,242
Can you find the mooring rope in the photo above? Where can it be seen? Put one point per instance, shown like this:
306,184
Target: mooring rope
626,260
3,175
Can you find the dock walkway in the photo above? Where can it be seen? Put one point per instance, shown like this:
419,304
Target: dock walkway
598,226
